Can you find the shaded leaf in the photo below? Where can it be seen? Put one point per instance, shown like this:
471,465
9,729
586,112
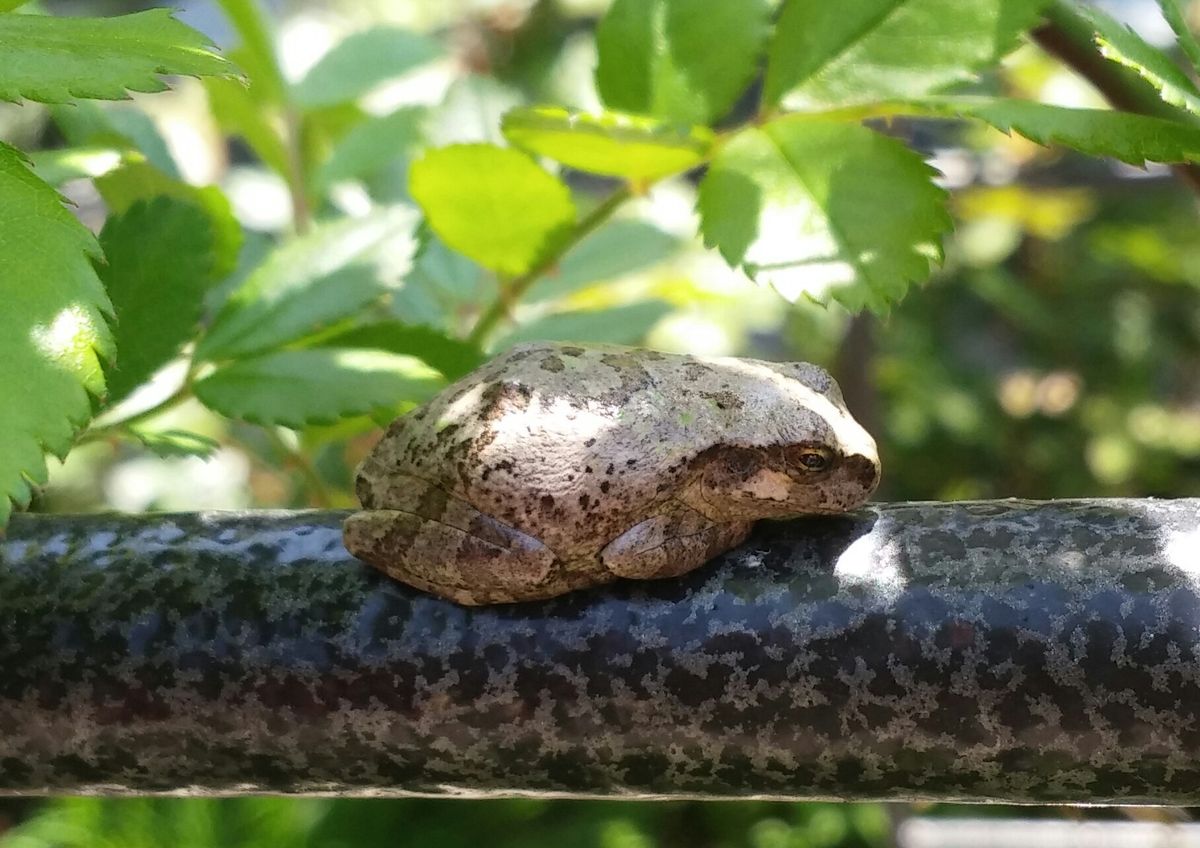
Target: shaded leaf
619,247
837,53
159,258
72,163
687,60
626,324
1125,47
87,124
371,145
442,285
293,388
53,328
471,112
54,60
610,143
313,281
123,187
362,61
493,204
819,208
173,443
451,357
248,111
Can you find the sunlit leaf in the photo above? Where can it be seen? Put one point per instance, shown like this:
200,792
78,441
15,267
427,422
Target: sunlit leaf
493,204
1125,47
686,60
824,209
610,143
318,385
837,53
53,328
54,59
1135,139
313,281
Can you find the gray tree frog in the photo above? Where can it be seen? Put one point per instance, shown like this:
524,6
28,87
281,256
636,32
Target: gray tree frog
559,466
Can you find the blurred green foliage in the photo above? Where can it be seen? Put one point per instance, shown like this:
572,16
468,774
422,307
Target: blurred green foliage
1056,354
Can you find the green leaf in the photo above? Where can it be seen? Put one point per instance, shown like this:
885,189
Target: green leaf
73,163
836,53
315,386
687,60
453,358
613,144
173,443
136,181
619,247
159,258
53,328
1135,139
1125,47
314,281
1173,12
258,57
91,124
371,145
55,60
249,112
471,112
361,62
818,207
492,204
626,324
441,287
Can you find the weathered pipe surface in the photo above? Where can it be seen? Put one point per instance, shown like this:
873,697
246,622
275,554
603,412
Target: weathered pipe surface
991,650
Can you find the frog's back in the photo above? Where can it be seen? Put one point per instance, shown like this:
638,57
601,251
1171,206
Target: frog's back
569,443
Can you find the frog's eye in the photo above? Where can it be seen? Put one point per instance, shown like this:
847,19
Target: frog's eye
812,458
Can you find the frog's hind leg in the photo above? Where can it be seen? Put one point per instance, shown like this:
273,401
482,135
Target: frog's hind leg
671,543
442,544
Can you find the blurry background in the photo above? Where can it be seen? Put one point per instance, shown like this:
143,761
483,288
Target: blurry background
1056,354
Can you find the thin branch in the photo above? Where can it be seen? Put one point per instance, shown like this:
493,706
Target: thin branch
1068,37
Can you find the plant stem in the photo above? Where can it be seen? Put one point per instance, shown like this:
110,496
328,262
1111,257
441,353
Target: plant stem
297,188
513,290
317,491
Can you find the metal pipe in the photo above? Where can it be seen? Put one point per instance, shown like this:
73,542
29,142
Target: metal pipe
1000,651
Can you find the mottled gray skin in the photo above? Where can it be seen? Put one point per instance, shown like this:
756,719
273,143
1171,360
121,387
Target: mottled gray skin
558,466
998,651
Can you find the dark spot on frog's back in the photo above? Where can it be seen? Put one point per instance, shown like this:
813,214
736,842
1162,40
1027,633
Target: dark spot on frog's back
552,363
724,400
572,351
620,361
500,397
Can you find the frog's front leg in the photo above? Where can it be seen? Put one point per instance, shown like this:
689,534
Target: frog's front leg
442,544
671,543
